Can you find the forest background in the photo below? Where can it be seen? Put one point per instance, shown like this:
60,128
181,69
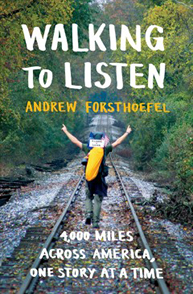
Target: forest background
161,143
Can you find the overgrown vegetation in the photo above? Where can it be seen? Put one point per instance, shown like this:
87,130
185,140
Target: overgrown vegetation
31,137
161,142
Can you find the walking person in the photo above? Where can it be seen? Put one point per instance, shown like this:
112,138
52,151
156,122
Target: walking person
96,188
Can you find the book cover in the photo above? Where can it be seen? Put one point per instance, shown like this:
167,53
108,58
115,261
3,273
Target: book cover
96,146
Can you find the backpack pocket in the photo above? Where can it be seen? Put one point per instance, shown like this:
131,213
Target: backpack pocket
94,161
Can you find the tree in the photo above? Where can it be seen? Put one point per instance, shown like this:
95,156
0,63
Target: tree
23,134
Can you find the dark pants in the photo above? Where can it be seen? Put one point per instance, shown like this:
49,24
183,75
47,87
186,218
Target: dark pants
93,209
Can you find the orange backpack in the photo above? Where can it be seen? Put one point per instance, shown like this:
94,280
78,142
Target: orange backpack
94,161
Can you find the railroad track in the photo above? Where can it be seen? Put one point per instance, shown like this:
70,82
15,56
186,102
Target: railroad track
15,268
30,283
18,279
162,287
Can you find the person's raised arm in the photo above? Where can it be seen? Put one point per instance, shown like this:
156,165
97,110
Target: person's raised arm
120,139
71,137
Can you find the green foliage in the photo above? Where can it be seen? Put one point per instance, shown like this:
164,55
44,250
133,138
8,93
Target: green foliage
35,13
162,142
33,136
176,153
126,12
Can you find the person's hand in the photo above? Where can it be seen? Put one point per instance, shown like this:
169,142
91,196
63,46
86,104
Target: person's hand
128,130
64,128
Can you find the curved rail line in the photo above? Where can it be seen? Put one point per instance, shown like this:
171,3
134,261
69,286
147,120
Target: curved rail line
143,241
161,283
30,282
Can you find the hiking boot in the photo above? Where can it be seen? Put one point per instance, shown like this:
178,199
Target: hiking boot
96,226
88,220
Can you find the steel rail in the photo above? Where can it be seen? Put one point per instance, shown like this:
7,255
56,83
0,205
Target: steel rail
52,237
36,264
161,283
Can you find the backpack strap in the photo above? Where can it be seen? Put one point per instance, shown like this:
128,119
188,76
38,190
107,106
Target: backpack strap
103,167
